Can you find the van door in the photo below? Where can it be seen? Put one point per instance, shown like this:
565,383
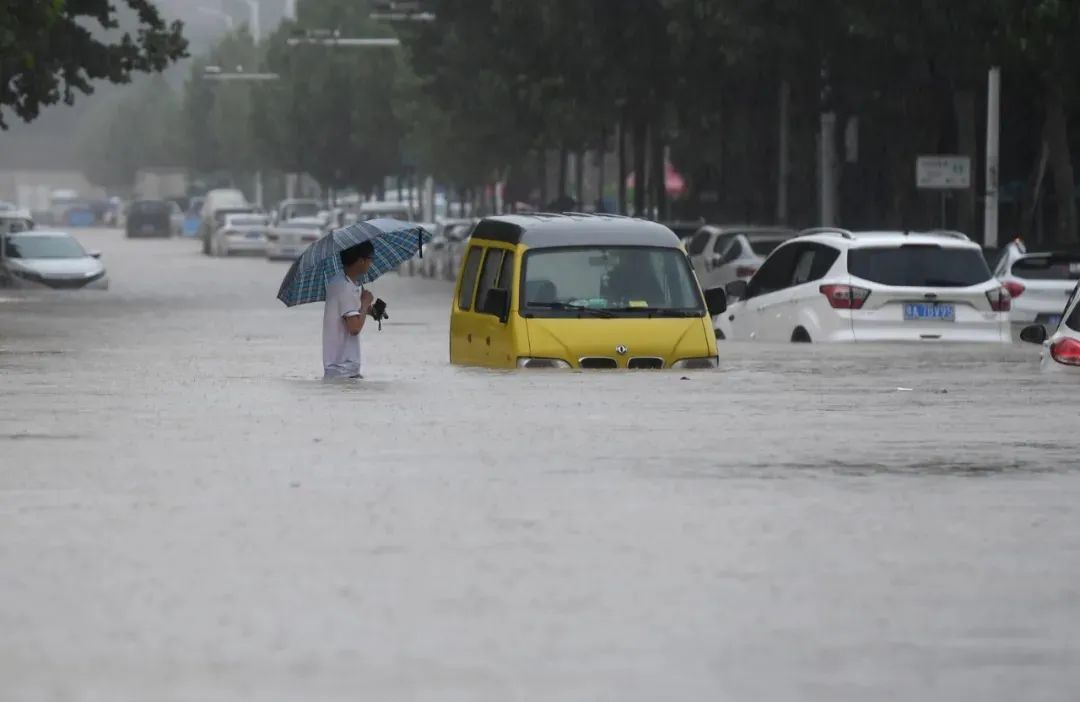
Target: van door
463,346
491,333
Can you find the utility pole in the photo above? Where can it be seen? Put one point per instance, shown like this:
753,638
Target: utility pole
993,147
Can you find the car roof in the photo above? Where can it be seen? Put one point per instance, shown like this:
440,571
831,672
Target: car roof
879,238
545,230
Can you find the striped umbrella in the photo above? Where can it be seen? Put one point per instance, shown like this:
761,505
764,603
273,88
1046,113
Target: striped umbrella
395,242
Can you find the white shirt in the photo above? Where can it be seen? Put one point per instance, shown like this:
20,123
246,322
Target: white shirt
341,350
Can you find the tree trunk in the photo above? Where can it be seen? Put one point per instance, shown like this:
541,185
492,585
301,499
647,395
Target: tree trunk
964,112
659,174
579,178
622,165
640,134
1057,140
563,158
543,174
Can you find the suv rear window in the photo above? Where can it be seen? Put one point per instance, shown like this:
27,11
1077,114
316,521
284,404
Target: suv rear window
1056,267
919,266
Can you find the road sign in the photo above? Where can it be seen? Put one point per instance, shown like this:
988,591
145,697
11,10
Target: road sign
943,172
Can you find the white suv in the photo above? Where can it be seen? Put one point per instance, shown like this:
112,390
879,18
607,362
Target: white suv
1040,283
1061,351
831,285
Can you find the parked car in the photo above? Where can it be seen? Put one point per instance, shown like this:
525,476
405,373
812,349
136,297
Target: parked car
14,220
721,254
580,291
240,233
1061,344
445,259
287,240
293,208
832,285
217,202
1040,283
149,218
49,259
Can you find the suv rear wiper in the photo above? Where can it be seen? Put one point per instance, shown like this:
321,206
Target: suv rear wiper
595,311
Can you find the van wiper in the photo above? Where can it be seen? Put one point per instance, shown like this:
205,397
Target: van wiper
595,311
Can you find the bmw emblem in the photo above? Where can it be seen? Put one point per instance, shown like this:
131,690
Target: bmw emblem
621,350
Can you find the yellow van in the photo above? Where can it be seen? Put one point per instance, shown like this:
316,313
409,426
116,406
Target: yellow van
580,291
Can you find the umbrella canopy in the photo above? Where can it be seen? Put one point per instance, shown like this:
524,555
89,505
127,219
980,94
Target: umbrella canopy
395,242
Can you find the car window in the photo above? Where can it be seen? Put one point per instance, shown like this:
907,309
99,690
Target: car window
917,265
488,275
506,275
813,263
699,242
1054,267
468,278
722,242
775,273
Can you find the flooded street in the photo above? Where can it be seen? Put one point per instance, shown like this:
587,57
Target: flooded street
188,513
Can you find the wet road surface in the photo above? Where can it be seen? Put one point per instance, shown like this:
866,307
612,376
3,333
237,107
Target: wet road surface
188,513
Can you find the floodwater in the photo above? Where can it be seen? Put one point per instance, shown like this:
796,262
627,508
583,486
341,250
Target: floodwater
188,513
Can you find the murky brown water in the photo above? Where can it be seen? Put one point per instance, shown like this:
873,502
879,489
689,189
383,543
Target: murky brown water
188,513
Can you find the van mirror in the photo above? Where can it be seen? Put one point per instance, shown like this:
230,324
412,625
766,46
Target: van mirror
497,303
716,301
736,289
1034,334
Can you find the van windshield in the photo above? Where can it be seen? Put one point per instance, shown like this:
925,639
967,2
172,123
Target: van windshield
627,281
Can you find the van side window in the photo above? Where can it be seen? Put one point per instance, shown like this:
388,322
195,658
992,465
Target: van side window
492,265
507,272
468,278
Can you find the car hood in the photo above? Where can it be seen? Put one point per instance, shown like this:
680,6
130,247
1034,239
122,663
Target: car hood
58,267
668,338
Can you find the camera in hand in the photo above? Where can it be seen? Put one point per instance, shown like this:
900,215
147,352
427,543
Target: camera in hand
378,311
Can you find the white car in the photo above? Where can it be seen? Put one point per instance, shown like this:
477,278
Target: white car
1040,283
721,255
831,285
49,259
240,233
287,240
1061,350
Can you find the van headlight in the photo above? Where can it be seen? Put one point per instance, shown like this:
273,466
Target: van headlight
542,363
696,363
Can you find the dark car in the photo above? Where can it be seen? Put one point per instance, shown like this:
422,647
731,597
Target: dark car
149,218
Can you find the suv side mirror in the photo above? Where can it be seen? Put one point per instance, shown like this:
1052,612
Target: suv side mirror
1035,334
716,301
736,289
497,303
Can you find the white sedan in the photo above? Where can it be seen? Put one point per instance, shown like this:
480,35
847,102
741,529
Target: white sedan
1061,350
240,233
49,259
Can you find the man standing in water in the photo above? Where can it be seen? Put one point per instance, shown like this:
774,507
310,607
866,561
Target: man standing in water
347,308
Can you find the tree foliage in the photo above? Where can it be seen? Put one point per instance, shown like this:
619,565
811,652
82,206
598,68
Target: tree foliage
48,50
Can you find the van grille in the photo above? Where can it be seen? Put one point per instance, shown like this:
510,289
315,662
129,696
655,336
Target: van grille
597,362
646,363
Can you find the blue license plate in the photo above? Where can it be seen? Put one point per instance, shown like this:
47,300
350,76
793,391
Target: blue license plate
933,311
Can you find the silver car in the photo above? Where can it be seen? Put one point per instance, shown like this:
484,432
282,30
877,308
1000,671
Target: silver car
49,259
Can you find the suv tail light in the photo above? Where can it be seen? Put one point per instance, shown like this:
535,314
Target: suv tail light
845,297
745,272
1015,289
1000,299
1066,351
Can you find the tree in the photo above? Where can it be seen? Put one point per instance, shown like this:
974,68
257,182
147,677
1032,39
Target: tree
47,53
